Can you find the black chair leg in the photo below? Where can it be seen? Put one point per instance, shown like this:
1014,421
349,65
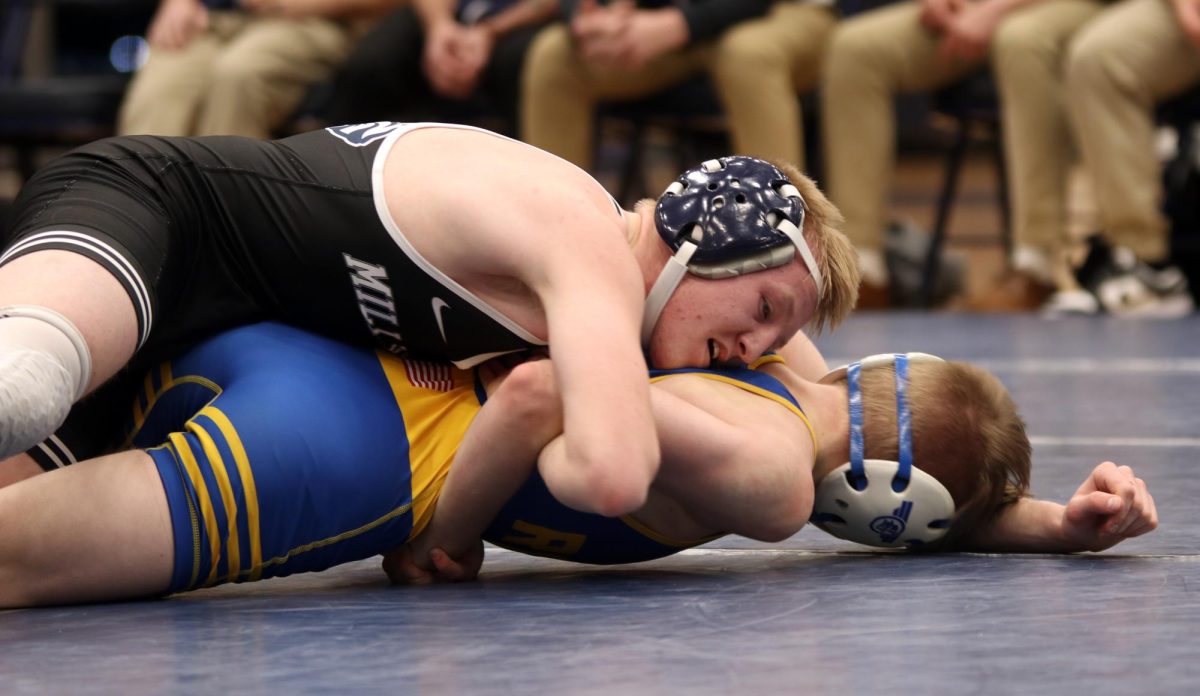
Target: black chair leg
1006,229
933,257
26,162
632,177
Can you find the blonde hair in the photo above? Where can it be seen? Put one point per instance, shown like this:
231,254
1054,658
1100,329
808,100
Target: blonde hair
835,255
966,433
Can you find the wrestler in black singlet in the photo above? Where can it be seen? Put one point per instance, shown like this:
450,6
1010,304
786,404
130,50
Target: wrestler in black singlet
209,233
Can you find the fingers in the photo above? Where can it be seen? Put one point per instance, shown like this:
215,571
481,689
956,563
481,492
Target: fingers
447,568
401,569
1120,498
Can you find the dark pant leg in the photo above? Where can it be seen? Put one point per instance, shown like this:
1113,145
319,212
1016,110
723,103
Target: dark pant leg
502,78
382,79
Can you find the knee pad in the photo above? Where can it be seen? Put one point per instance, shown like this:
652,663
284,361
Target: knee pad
42,329
45,366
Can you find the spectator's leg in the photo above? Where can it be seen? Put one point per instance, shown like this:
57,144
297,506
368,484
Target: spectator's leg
382,76
1119,66
759,68
502,78
871,57
1028,55
169,90
264,73
560,91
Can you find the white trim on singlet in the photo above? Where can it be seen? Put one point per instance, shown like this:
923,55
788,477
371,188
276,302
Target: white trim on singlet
118,263
63,452
385,216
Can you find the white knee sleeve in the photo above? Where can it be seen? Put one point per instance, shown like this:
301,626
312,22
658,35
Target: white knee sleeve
45,366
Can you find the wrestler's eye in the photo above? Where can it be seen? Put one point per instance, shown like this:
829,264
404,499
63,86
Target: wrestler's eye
766,309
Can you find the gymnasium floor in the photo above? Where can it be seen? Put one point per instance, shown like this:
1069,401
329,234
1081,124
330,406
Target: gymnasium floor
811,615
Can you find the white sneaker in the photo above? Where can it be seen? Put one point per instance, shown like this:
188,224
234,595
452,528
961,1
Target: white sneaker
1124,286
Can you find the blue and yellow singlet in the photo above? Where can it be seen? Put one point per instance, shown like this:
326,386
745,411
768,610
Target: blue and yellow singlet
283,452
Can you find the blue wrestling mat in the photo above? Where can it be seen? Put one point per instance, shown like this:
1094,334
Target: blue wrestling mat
810,615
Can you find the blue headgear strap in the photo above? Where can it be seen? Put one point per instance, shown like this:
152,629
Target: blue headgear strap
858,473
904,423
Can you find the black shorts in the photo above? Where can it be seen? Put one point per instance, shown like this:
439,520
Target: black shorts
211,233
205,234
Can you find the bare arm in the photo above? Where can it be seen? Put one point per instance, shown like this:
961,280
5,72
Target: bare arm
495,458
739,463
1110,506
540,240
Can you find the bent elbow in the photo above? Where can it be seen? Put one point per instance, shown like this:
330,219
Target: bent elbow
617,483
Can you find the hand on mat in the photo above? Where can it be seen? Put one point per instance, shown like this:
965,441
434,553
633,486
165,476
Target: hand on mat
1112,505
402,568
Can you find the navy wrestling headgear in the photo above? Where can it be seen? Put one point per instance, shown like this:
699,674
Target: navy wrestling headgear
725,218
874,501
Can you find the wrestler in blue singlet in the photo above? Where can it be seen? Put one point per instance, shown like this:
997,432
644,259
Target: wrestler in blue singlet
283,452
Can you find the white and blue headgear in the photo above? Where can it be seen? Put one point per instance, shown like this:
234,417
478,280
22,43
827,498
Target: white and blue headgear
725,218
874,501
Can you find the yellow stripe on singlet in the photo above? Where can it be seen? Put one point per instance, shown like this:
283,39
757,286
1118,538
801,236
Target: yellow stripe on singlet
435,423
216,464
179,440
662,538
140,413
249,490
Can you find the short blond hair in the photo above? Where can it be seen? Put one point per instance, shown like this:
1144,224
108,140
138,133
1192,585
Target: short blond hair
835,254
966,433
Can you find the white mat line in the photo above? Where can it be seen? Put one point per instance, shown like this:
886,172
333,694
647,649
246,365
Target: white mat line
1159,442
780,551
1079,365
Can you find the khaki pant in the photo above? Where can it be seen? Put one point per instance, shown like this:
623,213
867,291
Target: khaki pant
756,66
880,53
1120,65
761,66
244,76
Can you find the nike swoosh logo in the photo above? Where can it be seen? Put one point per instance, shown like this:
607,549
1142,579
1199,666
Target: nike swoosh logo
440,305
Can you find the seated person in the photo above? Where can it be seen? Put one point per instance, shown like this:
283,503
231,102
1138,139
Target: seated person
271,451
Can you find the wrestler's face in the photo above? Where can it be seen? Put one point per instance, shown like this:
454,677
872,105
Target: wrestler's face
734,320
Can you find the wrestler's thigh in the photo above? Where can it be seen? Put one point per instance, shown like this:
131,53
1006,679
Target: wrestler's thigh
83,291
97,530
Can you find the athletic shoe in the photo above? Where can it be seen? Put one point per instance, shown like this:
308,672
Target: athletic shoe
1124,286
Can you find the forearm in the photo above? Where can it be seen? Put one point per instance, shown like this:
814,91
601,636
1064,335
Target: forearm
1029,525
523,14
495,458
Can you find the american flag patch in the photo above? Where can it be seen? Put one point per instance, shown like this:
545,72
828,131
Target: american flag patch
429,375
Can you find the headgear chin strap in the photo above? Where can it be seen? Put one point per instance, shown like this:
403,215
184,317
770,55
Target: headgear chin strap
725,218
874,501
